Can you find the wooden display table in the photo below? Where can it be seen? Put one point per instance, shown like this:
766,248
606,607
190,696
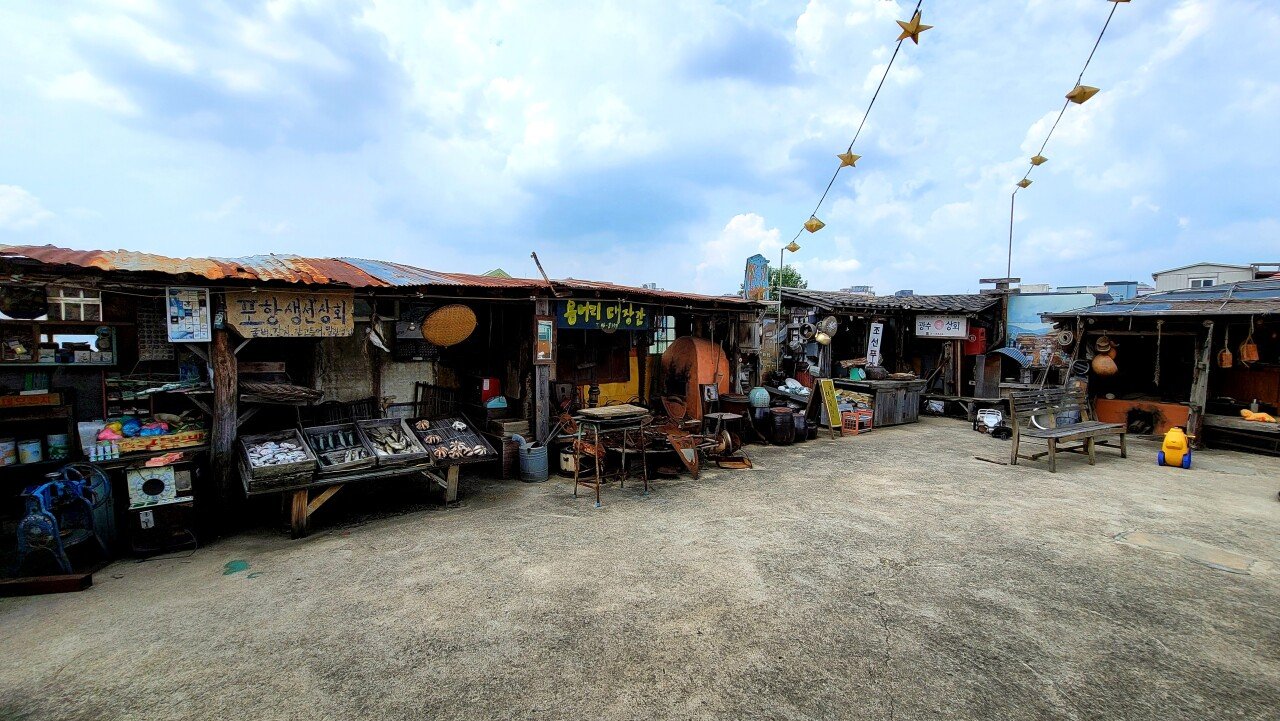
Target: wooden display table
303,504
894,402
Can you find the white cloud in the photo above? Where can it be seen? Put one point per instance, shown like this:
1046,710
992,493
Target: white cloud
725,255
128,34
19,209
228,206
83,87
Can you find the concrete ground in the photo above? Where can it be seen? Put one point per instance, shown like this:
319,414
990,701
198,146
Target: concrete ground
886,576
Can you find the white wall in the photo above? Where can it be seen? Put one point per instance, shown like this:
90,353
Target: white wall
1220,274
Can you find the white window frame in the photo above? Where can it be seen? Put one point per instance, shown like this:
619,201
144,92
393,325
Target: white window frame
664,333
1201,282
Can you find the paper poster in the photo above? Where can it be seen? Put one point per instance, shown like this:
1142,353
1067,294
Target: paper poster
188,317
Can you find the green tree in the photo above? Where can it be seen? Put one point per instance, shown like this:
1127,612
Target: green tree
791,278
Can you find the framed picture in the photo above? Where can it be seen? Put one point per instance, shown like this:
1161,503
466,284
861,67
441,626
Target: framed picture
544,340
187,315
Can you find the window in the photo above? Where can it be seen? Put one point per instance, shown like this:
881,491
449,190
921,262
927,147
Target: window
1200,282
663,333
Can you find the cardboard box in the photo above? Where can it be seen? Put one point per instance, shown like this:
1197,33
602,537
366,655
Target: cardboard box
104,357
83,356
48,355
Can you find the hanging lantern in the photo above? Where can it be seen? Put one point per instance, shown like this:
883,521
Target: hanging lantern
912,29
1081,93
1038,160
793,246
848,159
1024,182
813,225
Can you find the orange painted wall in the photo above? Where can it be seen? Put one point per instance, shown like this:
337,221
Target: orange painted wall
1168,415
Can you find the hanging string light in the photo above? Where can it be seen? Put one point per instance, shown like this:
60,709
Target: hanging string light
911,30
1079,95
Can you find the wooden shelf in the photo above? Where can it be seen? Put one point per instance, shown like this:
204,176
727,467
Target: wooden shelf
36,364
67,323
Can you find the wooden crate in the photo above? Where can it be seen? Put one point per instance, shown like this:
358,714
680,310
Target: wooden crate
369,430
170,441
324,468
444,428
268,478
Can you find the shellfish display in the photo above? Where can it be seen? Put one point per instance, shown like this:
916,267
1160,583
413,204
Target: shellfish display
272,453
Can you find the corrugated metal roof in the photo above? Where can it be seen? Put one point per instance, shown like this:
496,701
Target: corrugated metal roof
1248,297
839,301
346,272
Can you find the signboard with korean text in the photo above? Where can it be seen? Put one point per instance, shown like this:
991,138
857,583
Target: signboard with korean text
288,314
187,314
942,326
595,314
873,344
755,286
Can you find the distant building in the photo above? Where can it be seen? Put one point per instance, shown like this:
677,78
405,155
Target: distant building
1202,275
497,273
859,290
1035,288
1121,289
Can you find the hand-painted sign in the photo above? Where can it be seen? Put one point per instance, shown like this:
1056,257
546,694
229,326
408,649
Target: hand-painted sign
592,314
942,326
756,284
873,344
286,314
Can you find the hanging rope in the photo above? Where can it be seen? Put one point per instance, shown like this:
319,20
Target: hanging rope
1159,337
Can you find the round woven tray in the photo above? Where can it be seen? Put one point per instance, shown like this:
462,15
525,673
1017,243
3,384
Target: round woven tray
449,325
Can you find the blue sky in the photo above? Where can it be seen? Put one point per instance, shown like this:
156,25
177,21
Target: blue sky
646,142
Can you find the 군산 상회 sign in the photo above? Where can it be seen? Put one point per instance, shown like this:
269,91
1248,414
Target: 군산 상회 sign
287,314
942,326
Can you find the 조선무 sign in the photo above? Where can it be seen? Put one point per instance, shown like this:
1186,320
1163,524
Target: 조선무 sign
873,344
942,326
592,314
288,314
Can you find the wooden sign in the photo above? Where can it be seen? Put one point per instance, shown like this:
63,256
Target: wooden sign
289,314
942,326
593,314
828,389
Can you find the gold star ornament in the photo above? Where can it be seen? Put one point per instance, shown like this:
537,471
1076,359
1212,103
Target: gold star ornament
1081,93
1024,182
848,159
813,225
912,29
1038,160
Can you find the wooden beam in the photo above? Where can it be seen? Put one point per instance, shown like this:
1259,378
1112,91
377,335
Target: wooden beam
226,383
319,500
1200,386
542,382
35,585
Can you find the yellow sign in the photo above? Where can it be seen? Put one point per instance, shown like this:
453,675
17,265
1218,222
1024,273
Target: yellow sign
829,404
287,314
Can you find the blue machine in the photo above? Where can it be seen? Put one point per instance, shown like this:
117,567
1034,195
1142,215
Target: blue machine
73,508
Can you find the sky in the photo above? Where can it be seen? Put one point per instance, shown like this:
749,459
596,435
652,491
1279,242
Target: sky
654,142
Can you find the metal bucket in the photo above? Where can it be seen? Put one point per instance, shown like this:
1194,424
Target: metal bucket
533,463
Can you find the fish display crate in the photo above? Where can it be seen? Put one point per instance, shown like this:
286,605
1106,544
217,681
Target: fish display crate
264,479
368,430
448,434
315,433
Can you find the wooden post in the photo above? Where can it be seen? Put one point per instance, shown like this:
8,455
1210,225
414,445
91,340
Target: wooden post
1200,386
226,384
542,375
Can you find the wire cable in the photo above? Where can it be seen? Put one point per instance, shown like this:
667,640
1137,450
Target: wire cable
861,124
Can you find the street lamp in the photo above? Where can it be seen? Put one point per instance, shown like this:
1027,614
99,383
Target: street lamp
793,246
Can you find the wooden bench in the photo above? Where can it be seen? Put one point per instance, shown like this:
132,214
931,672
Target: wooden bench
1035,416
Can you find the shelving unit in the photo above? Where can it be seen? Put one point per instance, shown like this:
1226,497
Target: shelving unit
32,333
